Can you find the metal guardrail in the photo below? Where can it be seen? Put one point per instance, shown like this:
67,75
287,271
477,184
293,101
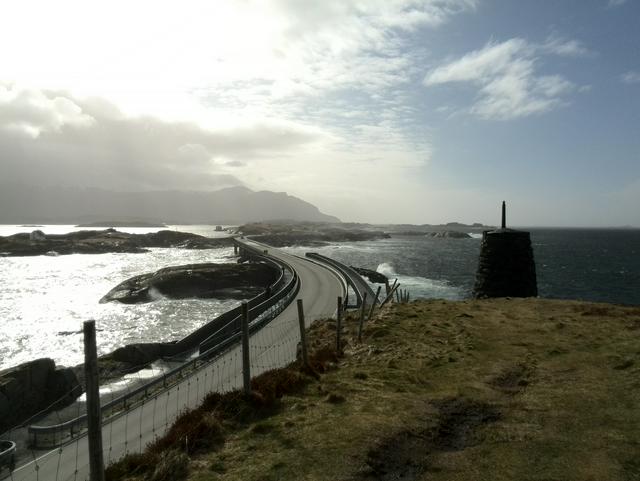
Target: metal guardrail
355,280
7,455
218,342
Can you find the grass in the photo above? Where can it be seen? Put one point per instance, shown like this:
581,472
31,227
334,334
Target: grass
495,389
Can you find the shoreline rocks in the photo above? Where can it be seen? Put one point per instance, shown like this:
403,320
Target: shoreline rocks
307,233
373,276
33,387
102,241
448,234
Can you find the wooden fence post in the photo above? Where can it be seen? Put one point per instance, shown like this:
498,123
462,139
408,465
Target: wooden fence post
375,301
362,309
303,336
390,296
339,326
94,415
246,359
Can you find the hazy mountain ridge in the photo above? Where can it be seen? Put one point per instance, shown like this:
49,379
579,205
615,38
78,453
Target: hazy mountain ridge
234,205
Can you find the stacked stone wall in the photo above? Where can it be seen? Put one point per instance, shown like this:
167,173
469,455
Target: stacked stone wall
506,267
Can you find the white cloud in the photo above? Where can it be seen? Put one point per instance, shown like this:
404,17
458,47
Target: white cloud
282,94
616,3
89,143
631,77
32,112
569,48
506,76
151,57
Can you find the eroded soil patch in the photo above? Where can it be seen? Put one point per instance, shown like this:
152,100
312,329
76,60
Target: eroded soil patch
405,455
513,379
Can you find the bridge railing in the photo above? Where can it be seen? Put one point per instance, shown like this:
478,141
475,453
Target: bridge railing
262,309
196,338
272,306
355,280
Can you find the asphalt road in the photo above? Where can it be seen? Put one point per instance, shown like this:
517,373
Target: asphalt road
273,346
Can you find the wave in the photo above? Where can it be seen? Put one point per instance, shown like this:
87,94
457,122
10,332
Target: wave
387,269
422,287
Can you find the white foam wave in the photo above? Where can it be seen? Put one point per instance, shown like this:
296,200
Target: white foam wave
387,269
421,287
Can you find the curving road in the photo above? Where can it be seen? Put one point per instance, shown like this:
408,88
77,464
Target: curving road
273,346
320,286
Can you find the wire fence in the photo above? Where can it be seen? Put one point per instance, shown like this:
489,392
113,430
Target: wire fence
130,428
139,411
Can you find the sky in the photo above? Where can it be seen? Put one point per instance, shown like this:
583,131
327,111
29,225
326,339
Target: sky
384,111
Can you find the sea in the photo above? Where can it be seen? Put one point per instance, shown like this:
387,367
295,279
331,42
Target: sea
45,299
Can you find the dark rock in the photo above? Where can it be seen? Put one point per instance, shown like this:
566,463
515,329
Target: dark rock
141,354
373,276
195,280
449,234
307,233
99,242
35,387
122,223
38,236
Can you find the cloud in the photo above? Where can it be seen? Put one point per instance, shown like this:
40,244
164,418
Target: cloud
31,112
279,95
506,75
250,49
631,77
50,138
616,3
568,48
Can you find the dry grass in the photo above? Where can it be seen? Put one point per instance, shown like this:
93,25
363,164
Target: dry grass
204,429
494,389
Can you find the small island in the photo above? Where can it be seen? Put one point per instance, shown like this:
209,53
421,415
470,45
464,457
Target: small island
124,223
285,234
203,281
110,240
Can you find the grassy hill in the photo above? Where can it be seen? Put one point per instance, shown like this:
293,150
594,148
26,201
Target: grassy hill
475,390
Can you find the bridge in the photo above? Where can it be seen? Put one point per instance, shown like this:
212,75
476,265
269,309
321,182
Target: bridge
137,418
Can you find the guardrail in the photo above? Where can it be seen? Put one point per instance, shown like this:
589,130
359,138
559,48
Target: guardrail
355,280
7,454
219,341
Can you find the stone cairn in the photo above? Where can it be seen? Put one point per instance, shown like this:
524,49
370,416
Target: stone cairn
506,267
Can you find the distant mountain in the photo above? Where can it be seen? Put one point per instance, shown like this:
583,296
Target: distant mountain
234,205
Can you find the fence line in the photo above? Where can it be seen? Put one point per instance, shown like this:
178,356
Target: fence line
273,346
147,411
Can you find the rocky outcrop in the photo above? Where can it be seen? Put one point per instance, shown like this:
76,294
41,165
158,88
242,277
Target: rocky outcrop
34,387
102,241
195,281
448,234
142,353
123,223
373,276
307,233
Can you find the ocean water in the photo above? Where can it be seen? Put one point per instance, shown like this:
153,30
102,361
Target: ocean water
601,265
597,265
44,300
